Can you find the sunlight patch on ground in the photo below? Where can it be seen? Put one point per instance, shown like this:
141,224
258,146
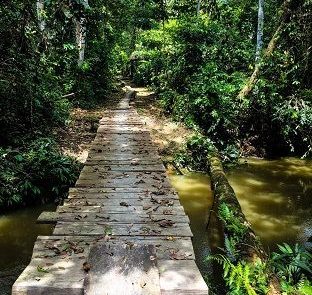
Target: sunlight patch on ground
168,135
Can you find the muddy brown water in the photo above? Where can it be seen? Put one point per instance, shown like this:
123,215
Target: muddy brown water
275,196
18,232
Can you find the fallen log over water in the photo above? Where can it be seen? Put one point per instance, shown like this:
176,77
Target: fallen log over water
249,246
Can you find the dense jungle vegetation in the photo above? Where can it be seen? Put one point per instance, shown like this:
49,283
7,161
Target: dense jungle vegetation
237,72
199,57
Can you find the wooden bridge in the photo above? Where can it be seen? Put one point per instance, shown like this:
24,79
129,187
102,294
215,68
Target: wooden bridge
122,229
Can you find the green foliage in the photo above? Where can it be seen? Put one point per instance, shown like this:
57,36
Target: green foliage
194,155
231,220
235,231
198,65
292,264
243,278
37,174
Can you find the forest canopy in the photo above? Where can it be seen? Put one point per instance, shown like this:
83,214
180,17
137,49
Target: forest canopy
238,75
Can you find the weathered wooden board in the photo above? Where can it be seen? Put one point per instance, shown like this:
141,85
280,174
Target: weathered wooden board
122,269
124,195
130,159
122,130
52,276
181,277
106,146
54,217
132,123
143,183
123,138
124,202
110,161
118,112
122,150
130,175
58,247
105,228
123,179
163,191
123,143
155,209
125,168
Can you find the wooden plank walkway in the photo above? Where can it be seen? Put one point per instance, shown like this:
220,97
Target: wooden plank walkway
122,229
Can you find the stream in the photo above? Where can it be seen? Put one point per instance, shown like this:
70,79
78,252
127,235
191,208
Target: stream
18,233
275,196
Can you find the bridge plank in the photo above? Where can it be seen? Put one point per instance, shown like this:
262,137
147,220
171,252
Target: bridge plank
54,217
156,209
167,248
153,191
121,269
123,195
121,202
106,228
181,277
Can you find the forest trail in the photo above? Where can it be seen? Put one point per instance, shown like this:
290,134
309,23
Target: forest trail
122,229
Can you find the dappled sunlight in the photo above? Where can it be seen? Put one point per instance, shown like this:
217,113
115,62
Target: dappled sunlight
284,166
274,196
168,135
254,182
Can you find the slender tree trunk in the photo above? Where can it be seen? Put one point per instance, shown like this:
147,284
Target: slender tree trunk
81,34
260,30
41,16
198,7
245,91
81,39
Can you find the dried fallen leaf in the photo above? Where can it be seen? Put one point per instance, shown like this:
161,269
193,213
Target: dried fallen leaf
86,266
124,204
166,223
176,254
143,284
168,212
170,238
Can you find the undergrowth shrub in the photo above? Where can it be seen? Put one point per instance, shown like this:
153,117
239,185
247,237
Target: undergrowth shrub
36,174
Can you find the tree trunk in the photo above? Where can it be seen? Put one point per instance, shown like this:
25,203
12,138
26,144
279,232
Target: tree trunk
41,16
81,39
251,248
81,34
245,91
198,7
224,193
260,30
